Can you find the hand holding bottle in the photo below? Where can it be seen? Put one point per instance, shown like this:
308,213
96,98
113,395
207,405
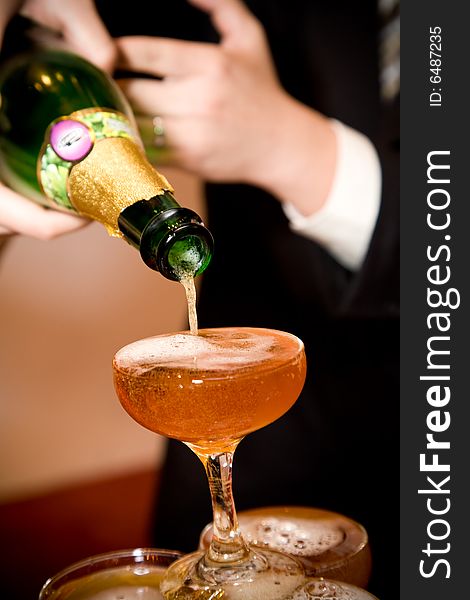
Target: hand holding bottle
82,29
226,116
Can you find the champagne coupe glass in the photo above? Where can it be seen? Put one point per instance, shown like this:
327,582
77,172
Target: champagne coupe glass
209,391
327,543
119,575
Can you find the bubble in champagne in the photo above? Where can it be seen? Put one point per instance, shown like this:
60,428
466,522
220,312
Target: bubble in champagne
301,537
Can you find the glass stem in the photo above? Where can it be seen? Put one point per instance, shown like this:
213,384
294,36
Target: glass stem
227,544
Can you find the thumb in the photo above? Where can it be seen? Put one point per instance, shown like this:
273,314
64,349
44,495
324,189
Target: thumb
80,27
86,33
8,9
238,27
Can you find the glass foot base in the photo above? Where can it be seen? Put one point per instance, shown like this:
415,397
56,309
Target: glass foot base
263,574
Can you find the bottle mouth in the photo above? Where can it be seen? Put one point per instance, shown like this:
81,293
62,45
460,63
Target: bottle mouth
185,253
183,247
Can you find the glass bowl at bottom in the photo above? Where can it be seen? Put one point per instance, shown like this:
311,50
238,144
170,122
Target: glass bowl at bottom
120,575
318,588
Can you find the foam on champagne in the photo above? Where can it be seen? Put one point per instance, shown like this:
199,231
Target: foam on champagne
301,537
214,350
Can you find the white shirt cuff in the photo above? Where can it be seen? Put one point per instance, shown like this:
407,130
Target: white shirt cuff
345,223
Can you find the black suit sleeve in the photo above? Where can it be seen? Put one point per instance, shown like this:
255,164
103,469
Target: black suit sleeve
374,291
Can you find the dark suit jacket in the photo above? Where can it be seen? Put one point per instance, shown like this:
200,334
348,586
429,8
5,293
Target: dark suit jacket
337,448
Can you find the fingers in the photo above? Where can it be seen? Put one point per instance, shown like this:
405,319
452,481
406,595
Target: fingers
163,98
237,26
87,35
7,9
163,57
19,215
147,97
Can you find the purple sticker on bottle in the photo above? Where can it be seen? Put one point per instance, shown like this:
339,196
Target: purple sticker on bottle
71,140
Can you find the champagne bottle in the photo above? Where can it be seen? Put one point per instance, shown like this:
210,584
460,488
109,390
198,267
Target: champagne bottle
69,141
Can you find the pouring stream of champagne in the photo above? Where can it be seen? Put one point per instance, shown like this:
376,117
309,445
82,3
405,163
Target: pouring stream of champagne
190,289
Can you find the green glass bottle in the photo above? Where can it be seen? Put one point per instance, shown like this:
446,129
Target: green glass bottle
69,141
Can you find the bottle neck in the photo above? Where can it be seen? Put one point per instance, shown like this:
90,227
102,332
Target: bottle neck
171,239
112,177
134,219
116,185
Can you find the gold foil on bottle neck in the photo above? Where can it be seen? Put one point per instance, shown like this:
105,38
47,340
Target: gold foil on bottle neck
113,176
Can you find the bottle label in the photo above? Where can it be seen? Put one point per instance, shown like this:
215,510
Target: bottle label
68,141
